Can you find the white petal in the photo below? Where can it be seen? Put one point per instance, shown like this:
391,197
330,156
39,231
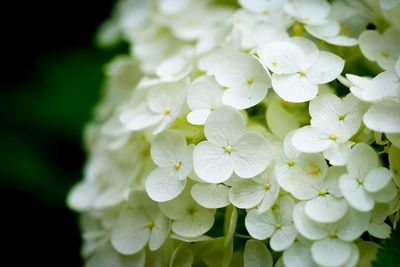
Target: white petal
257,255
270,196
308,228
163,184
245,97
106,256
338,153
387,194
204,93
383,116
224,126
311,140
362,159
327,68
211,196
211,163
371,44
260,225
159,232
275,115
283,238
377,179
282,57
326,209
250,155
168,148
198,116
293,87
267,32
246,194
194,224
355,193
353,225
298,255
331,252
130,232
309,11
139,118
83,195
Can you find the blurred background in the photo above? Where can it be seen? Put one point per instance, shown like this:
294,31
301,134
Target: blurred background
50,79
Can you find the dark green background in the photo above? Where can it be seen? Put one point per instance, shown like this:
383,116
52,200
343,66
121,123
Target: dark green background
50,79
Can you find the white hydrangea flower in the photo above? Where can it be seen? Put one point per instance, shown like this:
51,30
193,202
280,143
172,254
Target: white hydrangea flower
186,134
174,160
139,223
276,224
334,122
157,108
229,148
189,219
297,64
312,12
382,48
364,179
319,189
332,244
204,96
261,191
245,79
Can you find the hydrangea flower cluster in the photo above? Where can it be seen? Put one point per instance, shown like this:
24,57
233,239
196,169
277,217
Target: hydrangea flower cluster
249,133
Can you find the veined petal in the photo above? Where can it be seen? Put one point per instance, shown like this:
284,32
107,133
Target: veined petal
246,194
283,238
168,148
327,68
265,33
371,44
377,179
383,116
211,163
163,184
308,228
294,87
130,232
260,225
224,126
331,252
362,159
355,193
250,155
211,196
326,209
298,255
194,224
159,232
311,140
245,97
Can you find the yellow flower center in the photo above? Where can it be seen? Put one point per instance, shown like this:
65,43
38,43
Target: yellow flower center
178,165
227,149
167,111
333,136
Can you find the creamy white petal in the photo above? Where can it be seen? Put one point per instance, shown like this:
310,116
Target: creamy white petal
283,238
377,179
268,32
363,159
211,163
260,225
331,252
327,68
198,116
224,126
130,232
294,87
168,148
246,194
181,257
326,209
276,114
355,193
371,44
245,97
211,196
163,184
298,255
250,155
159,232
195,223
311,140
308,228
383,116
